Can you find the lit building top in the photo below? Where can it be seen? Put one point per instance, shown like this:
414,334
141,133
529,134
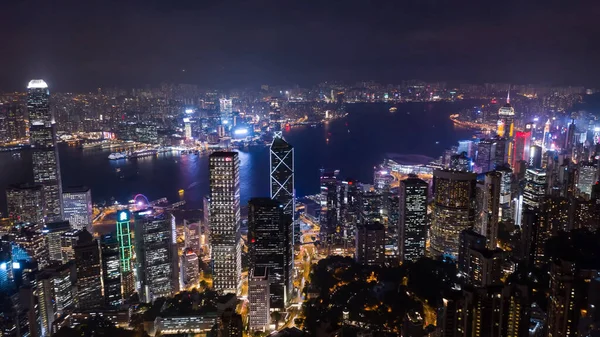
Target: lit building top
37,84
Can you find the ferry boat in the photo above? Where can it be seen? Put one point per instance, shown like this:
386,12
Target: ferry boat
117,156
142,153
393,109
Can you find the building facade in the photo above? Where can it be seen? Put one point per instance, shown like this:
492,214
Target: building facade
224,172
42,138
412,226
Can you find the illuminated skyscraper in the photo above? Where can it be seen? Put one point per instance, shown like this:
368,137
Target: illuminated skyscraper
111,270
535,188
535,157
507,116
586,177
42,138
270,246
412,225
224,173
88,259
483,163
454,209
282,179
226,110
505,192
189,269
370,244
55,293
26,204
157,258
124,237
30,238
77,207
329,217
54,232
258,298
487,219
521,143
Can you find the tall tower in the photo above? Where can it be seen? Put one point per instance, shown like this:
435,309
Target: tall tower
125,239
111,271
156,253
270,246
412,226
487,222
282,179
88,260
224,172
454,209
42,138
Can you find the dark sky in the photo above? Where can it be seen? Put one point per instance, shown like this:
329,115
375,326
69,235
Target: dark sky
79,45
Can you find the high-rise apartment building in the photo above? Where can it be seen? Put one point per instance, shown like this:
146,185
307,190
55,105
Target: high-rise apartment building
282,179
42,138
453,209
412,225
271,246
224,172
77,207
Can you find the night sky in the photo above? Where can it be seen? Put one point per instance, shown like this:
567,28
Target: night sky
80,45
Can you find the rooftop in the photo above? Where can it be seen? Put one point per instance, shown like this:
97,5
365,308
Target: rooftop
34,84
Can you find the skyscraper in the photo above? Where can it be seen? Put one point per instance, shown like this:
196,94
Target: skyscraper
55,292
329,206
282,179
226,110
54,232
124,237
77,207
189,270
224,172
270,246
535,188
258,298
412,225
487,219
483,163
454,209
42,138
156,254
111,270
88,260
370,244
30,238
586,177
26,204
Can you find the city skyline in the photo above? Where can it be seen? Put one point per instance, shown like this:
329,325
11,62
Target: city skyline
273,42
